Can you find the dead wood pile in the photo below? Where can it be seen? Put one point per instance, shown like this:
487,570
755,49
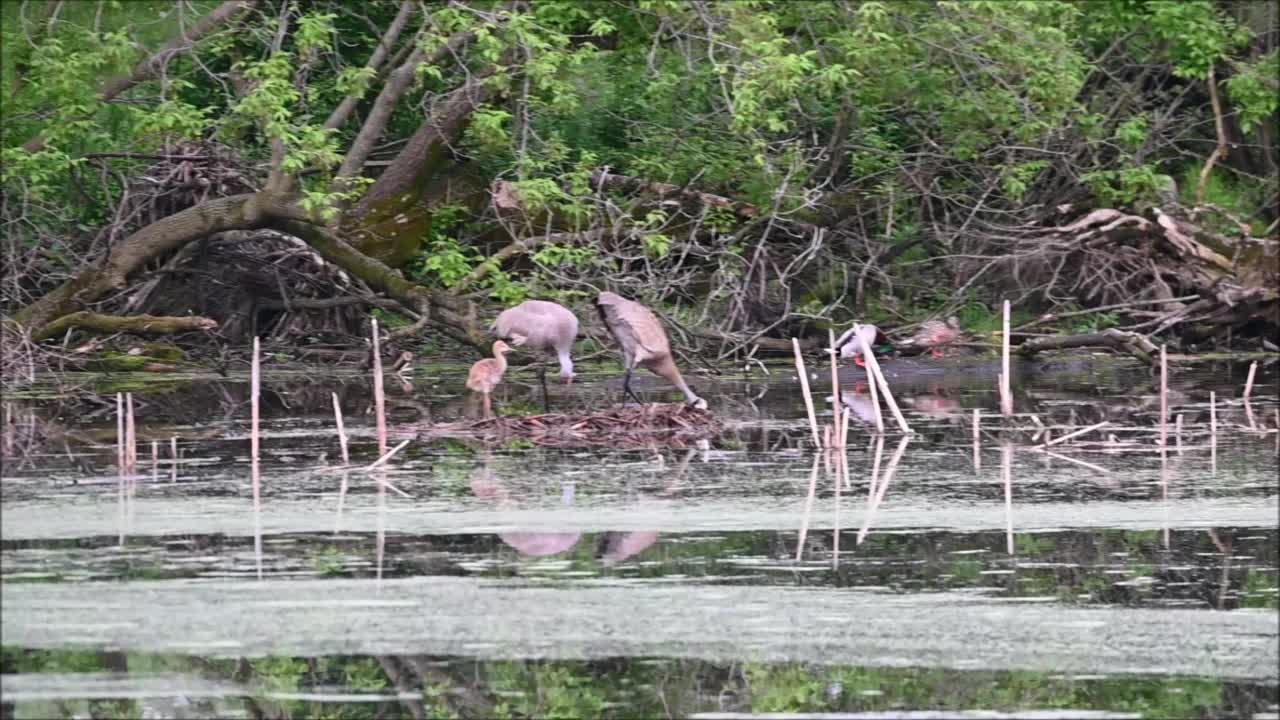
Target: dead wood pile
624,427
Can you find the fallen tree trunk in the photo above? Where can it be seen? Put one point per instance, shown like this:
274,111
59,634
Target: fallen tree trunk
238,212
139,324
1131,343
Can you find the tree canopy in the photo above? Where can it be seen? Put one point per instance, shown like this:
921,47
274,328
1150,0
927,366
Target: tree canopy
758,168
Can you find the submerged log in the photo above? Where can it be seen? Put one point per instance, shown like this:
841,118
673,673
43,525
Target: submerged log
1132,343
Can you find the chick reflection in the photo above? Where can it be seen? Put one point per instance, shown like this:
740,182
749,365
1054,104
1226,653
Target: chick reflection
485,485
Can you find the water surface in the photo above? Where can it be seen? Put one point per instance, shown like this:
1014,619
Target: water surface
748,575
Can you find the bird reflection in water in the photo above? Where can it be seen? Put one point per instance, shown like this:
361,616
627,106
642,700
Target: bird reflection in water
611,547
485,485
935,404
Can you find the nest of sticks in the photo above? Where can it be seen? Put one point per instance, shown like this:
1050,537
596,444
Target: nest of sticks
623,427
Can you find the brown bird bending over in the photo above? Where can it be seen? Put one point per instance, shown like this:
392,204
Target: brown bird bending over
486,374
543,327
935,334
643,342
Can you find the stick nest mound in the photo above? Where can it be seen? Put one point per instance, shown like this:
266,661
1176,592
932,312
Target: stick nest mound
624,427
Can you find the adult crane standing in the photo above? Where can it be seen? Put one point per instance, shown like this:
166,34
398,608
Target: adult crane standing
545,328
643,343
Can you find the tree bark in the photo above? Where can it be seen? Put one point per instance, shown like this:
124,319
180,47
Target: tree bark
339,116
148,68
420,157
396,86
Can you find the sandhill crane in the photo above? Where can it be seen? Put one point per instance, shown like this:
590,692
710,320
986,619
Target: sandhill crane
934,334
543,327
643,342
486,374
855,339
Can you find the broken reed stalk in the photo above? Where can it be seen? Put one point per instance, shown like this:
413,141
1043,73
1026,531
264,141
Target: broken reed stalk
1177,433
837,403
1164,397
842,472
1213,431
173,459
1081,463
890,469
383,460
130,436
342,432
804,387
155,461
1006,396
844,427
1077,433
977,440
379,401
1164,492
1006,475
1248,390
871,383
255,379
870,359
808,508
120,469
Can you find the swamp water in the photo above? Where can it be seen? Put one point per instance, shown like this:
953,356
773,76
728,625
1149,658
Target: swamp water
745,576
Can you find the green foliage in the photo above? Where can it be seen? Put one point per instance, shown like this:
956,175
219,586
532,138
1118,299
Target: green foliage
1255,89
546,690
1242,199
390,318
1124,186
1003,101
444,260
1017,178
1132,133
329,562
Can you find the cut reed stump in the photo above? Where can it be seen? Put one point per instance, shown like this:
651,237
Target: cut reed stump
625,427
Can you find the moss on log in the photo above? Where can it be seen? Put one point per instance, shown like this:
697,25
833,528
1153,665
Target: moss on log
138,324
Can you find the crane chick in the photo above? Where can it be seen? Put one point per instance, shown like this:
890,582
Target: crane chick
643,342
486,374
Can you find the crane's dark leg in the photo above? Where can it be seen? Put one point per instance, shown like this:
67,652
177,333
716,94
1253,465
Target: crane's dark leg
542,378
626,388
